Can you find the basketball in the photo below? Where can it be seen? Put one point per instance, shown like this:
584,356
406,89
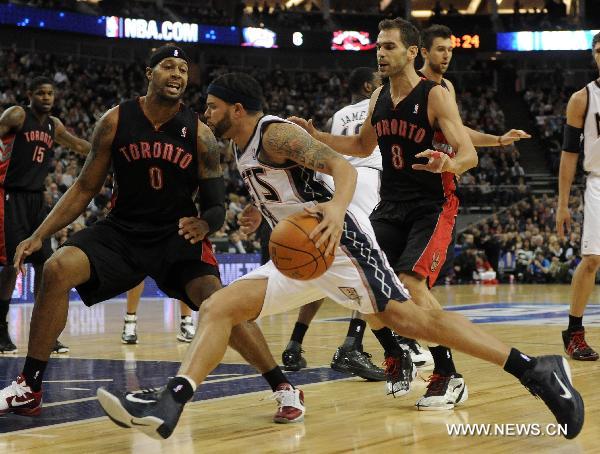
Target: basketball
294,253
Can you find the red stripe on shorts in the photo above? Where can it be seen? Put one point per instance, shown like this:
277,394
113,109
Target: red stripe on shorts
433,257
2,236
207,253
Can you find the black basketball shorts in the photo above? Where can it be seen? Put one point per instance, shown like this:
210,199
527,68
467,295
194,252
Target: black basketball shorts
20,214
417,236
121,257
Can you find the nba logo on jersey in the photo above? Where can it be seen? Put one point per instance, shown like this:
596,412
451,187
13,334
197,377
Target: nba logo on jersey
184,129
416,111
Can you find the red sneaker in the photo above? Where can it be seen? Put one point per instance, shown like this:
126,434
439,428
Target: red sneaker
18,398
290,403
576,346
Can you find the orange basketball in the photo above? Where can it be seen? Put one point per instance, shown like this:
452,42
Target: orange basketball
294,253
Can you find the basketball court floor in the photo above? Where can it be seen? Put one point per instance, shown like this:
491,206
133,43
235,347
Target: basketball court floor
232,410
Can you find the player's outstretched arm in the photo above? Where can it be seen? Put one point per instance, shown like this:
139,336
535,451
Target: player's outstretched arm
568,159
481,139
211,192
79,195
442,109
11,120
66,139
282,142
360,145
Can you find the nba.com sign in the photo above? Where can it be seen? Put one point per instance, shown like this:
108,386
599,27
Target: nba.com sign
119,27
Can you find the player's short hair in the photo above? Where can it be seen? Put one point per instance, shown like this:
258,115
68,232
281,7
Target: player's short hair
431,33
37,81
595,40
240,84
358,77
409,34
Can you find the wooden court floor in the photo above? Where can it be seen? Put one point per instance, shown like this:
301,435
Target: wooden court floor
344,414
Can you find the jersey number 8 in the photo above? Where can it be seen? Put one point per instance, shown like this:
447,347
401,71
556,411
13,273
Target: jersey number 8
397,158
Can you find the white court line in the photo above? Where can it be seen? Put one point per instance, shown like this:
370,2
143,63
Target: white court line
66,402
78,381
78,389
191,404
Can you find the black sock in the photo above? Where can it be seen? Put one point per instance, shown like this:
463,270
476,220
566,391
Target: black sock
387,341
356,331
275,378
442,361
575,323
181,389
4,306
299,332
33,371
517,363
131,313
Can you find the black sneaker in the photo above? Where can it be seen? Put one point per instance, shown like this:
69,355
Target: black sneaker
152,411
420,357
400,371
357,363
292,357
550,380
6,344
59,347
577,347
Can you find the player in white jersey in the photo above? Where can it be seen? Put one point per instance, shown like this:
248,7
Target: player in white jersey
583,120
278,161
349,357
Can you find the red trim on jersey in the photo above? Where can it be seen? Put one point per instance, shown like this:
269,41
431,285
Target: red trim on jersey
8,142
207,253
2,237
434,255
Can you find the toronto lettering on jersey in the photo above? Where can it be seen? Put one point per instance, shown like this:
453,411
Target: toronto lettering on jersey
39,136
400,128
157,150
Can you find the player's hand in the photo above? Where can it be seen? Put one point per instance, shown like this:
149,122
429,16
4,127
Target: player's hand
331,225
307,125
437,162
193,229
249,220
24,250
563,221
514,135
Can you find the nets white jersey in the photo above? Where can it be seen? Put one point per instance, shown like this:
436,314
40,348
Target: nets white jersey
347,122
591,130
277,191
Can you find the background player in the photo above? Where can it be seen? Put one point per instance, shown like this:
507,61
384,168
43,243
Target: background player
27,135
129,334
161,154
583,120
286,158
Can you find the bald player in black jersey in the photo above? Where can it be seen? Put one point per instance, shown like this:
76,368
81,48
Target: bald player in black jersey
161,154
27,135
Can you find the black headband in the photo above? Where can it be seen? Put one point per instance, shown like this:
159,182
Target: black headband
165,52
232,97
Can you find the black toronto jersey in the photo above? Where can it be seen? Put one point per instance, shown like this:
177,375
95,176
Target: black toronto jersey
25,160
403,131
155,170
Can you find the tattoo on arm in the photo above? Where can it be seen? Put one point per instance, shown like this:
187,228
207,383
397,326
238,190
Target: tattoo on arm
98,160
209,154
290,142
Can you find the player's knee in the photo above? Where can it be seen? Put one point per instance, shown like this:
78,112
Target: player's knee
591,263
57,273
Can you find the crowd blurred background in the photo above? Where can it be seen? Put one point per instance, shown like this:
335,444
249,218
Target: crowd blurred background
507,206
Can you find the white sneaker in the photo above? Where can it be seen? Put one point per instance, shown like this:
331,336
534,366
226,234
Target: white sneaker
129,335
420,356
186,330
443,393
290,404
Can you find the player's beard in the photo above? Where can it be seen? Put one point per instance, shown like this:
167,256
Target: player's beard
437,68
221,127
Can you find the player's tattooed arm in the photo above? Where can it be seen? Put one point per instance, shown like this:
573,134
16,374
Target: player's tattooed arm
65,138
209,153
90,180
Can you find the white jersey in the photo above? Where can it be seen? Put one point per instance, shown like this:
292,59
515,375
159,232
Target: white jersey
277,191
591,130
347,122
